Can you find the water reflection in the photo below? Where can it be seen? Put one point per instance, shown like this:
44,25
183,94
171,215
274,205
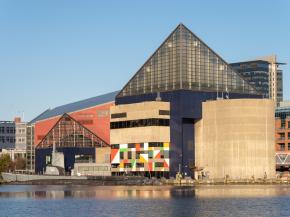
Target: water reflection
141,192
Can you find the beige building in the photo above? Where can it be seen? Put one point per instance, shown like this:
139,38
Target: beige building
140,137
235,138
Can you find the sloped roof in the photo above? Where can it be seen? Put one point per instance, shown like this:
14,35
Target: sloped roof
75,106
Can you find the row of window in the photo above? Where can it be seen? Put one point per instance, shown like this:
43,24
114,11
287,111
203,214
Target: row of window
282,135
141,145
141,165
282,114
283,124
282,147
163,154
139,123
21,131
8,130
7,139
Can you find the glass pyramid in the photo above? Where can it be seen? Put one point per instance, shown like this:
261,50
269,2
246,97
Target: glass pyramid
68,132
183,61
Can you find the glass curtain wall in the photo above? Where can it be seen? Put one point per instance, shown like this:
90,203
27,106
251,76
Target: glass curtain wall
183,61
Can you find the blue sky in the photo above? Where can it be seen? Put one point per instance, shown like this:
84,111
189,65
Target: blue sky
55,52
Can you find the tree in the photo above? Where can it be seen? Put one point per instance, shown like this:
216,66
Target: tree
20,163
5,163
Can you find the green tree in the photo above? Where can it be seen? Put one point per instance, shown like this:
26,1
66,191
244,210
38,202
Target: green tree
5,163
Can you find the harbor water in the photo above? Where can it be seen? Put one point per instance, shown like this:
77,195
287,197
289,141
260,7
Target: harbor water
80,200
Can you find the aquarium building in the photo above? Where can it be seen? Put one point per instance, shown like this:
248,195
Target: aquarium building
152,124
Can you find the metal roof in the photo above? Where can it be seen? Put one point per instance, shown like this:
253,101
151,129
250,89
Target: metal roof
75,106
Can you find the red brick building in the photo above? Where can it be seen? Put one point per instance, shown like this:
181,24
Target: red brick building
282,136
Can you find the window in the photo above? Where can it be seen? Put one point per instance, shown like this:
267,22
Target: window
288,146
150,154
139,123
127,165
288,124
129,154
139,165
155,144
282,136
121,155
283,123
115,146
282,147
131,145
164,112
83,158
288,135
119,115
159,164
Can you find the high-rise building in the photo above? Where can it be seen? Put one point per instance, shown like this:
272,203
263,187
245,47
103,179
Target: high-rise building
264,74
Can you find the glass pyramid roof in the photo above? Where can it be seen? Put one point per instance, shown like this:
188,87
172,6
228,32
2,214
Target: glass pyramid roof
183,61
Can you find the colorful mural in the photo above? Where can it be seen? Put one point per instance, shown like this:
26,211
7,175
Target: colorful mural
135,157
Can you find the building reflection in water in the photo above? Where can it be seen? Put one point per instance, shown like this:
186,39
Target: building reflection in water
146,192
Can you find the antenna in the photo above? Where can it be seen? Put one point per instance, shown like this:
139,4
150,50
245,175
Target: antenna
158,97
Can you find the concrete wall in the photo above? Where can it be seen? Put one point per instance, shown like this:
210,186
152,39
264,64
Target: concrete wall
103,155
137,111
92,169
236,138
20,136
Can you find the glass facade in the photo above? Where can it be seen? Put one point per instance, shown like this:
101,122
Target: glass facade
279,85
7,135
183,61
256,73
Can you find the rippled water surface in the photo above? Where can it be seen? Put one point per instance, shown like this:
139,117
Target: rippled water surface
235,200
